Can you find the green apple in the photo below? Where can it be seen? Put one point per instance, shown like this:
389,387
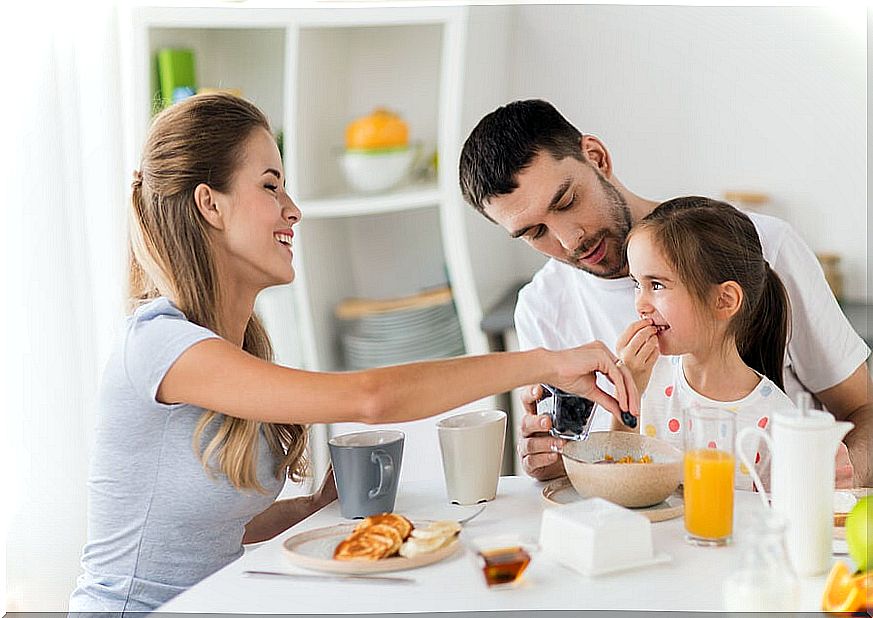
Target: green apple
858,537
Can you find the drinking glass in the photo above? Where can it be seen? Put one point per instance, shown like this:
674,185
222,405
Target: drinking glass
571,414
709,476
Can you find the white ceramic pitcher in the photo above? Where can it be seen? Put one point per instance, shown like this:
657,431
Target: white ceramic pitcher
803,447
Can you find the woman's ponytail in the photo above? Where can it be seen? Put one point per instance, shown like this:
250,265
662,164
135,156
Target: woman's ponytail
762,342
140,285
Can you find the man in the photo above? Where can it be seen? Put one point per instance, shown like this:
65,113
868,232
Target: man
526,168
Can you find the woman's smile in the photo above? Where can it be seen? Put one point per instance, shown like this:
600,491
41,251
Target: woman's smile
284,237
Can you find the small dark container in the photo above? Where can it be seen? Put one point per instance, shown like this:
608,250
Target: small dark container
571,414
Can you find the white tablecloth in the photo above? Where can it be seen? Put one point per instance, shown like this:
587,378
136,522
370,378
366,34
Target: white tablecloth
691,581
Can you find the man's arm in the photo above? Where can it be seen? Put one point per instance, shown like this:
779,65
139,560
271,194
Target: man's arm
850,400
823,348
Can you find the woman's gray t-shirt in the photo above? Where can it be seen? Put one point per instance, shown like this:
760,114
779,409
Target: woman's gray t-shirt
158,522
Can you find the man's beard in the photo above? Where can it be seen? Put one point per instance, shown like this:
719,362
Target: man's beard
618,232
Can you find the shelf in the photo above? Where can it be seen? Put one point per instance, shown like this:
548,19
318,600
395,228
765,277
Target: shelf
257,73
501,317
346,73
351,205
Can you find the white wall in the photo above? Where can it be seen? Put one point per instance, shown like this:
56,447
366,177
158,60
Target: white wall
704,99
498,261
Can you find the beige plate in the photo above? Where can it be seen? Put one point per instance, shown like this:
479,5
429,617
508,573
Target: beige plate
840,518
314,550
560,491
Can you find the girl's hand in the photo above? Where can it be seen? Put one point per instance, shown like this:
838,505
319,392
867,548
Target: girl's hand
638,349
577,373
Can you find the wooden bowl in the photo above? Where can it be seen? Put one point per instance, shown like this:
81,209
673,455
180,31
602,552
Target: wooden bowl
628,484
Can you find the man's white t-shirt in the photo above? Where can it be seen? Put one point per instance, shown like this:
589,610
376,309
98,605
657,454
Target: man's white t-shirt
669,396
564,307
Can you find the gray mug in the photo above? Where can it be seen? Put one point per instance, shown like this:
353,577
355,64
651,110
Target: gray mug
366,467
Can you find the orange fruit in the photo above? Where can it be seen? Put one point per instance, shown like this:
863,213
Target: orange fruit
864,582
845,591
382,129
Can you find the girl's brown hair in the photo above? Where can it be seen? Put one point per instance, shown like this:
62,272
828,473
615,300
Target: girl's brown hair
708,242
201,140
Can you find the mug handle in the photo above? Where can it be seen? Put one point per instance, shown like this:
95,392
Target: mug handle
741,437
386,473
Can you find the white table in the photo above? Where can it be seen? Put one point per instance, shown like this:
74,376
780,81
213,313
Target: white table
690,582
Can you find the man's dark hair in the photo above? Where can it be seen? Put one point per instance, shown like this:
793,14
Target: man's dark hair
506,141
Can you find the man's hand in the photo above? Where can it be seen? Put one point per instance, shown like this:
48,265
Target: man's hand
576,372
851,400
637,347
539,452
845,471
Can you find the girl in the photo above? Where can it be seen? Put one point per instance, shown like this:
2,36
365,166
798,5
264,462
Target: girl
714,320
197,428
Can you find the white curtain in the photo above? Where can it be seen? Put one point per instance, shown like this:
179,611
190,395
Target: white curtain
62,231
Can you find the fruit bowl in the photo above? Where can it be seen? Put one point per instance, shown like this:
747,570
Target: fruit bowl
626,484
370,171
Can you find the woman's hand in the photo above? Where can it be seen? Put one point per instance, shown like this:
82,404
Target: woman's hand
283,514
577,374
637,347
327,492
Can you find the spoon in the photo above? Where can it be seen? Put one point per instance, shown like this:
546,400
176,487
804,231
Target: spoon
473,516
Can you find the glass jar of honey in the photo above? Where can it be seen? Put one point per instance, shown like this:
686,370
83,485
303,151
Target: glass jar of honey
502,560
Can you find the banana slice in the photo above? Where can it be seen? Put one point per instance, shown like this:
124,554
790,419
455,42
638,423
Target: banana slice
415,547
437,529
450,526
409,549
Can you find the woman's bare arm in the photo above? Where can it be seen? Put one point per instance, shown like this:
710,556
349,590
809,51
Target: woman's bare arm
219,376
283,514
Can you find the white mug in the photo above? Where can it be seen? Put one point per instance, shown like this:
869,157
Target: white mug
472,451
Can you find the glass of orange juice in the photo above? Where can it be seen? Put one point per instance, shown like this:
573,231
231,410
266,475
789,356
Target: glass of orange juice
709,476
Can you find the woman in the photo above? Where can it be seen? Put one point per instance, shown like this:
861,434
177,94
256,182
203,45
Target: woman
198,429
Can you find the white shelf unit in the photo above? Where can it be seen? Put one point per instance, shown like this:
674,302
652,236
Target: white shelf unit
312,71
407,198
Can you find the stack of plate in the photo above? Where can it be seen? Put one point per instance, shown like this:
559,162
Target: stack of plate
381,336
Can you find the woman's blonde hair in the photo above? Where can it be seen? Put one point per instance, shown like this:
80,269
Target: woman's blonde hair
201,140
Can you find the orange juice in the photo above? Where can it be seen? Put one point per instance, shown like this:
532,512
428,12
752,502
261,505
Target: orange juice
709,493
